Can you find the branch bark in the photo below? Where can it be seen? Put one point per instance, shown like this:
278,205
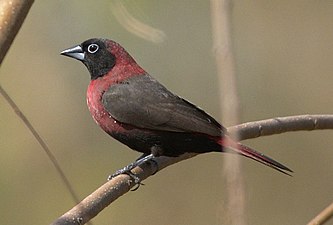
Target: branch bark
12,15
113,189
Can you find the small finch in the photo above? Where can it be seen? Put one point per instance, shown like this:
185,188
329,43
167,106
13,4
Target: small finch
135,109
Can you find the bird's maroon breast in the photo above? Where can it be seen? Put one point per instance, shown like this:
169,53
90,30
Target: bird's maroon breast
95,93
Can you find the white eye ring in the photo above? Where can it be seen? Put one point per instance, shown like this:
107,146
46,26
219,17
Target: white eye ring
93,48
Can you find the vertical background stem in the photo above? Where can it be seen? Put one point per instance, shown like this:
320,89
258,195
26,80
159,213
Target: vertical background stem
222,47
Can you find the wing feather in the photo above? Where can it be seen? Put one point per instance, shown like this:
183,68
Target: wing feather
143,102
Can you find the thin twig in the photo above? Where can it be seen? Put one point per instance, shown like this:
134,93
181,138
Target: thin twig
323,216
113,189
41,142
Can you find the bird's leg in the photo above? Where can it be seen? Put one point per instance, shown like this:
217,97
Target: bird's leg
127,169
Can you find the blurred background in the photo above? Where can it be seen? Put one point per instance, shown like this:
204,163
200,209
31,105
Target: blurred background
284,63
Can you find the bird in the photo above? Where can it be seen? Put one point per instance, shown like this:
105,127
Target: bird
135,109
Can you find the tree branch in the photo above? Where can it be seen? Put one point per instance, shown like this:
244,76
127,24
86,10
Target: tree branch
280,125
113,189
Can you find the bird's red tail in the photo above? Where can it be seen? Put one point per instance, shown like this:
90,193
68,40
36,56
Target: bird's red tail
241,149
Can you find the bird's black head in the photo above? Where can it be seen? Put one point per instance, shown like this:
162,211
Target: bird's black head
95,55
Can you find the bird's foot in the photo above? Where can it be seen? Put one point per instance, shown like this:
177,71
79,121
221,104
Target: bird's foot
127,170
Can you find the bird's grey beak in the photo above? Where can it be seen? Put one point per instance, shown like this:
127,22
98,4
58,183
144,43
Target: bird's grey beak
75,52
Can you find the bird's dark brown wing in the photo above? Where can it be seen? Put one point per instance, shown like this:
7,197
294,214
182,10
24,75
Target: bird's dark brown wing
143,102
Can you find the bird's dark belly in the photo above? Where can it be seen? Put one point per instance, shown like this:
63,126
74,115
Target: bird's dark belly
167,143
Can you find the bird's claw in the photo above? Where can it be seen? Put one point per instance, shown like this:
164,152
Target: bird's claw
137,180
127,170
110,177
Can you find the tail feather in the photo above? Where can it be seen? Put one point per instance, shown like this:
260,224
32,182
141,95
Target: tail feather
251,153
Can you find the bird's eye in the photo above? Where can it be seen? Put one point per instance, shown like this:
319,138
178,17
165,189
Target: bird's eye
93,48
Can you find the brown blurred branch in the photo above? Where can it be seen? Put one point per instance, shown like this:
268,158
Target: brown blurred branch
133,25
113,189
323,216
12,15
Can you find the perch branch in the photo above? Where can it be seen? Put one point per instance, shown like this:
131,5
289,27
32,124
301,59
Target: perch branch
113,189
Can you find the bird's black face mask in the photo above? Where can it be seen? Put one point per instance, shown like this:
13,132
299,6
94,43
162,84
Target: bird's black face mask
94,54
